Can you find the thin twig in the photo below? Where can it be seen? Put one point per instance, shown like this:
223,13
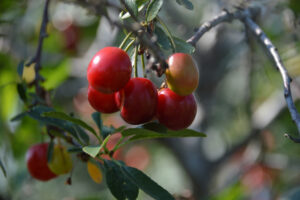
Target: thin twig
245,16
272,51
38,55
224,16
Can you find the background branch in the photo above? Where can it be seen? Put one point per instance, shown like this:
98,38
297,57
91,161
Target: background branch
245,15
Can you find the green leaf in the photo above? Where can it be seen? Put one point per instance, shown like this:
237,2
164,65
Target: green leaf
50,151
154,130
75,150
97,119
132,5
186,3
18,116
82,134
167,32
153,9
92,150
63,116
3,168
22,92
162,38
20,68
183,47
37,112
106,131
118,183
140,4
146,184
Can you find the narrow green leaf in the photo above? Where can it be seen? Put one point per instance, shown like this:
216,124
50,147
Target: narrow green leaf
97,119
132,5
168,32
162,39
92,150
82,134
140,4
50,150
154,130
153,9
146,184
111,130
183,47
63,116
75,150
22,92
18,116
20,68
186,3
118,183
3,168
36,113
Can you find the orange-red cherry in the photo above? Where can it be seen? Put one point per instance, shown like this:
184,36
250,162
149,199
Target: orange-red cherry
36,158
109,70
182,74
174,111
104,103
138,101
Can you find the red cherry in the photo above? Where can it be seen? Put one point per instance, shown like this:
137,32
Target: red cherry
104,103
36,158
109,70
174,111
138,101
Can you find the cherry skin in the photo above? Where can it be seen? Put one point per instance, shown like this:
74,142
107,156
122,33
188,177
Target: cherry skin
182,74
138,101
36,158
104,103
109,70
174,111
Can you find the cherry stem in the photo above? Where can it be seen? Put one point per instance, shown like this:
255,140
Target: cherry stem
118,144
129,45
135,62
143,65
125,40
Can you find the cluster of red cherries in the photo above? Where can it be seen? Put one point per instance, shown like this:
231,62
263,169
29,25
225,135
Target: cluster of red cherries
111,89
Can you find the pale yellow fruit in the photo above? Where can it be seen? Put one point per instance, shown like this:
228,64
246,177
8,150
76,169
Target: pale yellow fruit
61,162
29,73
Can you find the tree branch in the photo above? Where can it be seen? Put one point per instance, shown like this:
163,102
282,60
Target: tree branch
245,15
38,55
272,51
224,16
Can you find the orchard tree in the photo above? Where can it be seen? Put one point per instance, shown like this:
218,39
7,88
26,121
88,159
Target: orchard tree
95,87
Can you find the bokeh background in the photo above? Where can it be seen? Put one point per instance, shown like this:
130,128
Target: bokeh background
240,100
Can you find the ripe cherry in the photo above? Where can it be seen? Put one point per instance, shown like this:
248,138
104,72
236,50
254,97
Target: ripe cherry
174,111
36,158
101,102
182,74
138,101
109,70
